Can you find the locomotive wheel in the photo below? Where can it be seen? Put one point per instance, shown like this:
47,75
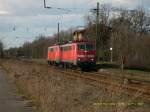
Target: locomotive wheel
70,66
66,66
49,63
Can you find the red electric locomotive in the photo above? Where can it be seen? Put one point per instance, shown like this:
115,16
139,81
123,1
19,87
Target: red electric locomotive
81,54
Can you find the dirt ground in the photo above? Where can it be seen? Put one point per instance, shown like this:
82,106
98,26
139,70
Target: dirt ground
52,91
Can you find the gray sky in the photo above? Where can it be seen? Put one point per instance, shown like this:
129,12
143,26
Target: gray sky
30,19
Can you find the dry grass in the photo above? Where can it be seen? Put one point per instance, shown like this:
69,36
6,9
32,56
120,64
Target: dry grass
54,92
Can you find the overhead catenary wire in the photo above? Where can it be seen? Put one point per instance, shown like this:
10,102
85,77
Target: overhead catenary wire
76,9
71,10
67,9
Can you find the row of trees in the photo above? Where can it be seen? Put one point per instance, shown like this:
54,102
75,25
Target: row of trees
128,34
130,38
1,49
35,49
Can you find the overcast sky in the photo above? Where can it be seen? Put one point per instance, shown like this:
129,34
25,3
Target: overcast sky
30,19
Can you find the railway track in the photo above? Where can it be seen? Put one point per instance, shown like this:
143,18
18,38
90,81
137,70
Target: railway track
130,89
141,79
96,79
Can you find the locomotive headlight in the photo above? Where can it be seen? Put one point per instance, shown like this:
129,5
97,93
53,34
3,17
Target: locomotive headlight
92,59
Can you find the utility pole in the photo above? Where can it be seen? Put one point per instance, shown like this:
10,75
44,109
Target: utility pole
44,4
97,31
97,21
58,35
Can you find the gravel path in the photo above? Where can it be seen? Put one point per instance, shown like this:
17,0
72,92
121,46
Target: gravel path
9,101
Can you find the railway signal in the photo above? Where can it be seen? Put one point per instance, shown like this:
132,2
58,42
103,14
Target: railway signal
111,50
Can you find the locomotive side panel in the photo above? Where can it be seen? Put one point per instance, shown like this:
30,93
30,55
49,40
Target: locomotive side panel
68,53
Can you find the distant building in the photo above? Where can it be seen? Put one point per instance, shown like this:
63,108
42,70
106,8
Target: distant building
79,35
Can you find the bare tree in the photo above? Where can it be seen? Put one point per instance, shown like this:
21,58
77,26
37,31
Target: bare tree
139,21
129,48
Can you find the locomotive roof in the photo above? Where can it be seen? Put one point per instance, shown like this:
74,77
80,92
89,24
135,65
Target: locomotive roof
73,42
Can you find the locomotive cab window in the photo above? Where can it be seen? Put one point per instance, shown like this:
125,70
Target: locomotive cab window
52,49
81,47
87,47
66,48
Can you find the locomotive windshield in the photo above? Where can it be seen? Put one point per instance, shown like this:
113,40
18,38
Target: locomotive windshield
87,47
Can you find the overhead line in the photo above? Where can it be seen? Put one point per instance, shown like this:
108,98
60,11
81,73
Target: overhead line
114,9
